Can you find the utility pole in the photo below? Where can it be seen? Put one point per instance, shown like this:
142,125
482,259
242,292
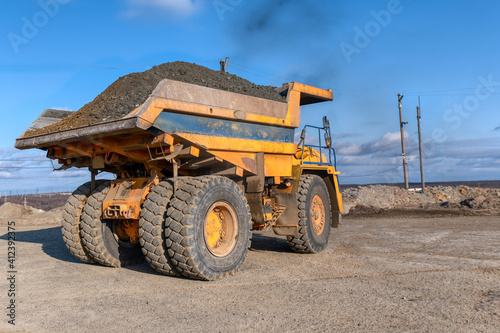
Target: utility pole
405,166
420,147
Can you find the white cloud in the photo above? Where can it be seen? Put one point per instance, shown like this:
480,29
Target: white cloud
388,144
170,8
14,163
389,138
310,139
347,148
380,160
64,108
70,173
6,175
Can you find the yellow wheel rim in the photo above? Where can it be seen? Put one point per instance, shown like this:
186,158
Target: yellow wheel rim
221,229
317,215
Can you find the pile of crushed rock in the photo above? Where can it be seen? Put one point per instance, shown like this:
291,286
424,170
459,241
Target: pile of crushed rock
10,209
380,198
132,90
28,215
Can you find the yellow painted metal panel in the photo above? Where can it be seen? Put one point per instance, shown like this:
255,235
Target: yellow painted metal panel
126,196
245,161
326,95
239,145
278,165
339,195
208,102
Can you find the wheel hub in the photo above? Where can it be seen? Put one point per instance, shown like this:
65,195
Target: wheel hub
126,232
221,229
317,215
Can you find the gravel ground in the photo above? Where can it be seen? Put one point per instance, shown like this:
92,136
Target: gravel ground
130,91
377,275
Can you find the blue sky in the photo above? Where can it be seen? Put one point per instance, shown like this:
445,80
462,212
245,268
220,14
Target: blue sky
63,53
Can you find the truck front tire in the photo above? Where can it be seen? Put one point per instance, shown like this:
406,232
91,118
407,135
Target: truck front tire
315,216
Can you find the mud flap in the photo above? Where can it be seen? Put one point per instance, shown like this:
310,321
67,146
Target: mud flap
256,208
336,219
288,223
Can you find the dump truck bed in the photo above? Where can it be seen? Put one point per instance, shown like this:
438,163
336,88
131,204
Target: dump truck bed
226,125
176,106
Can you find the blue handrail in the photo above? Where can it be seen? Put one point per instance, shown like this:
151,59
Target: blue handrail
320,146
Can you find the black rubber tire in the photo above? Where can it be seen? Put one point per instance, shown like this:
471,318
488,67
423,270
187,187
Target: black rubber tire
70,223
185,228
98,237
307,241
152,228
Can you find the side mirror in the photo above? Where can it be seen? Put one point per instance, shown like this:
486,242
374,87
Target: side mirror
326,123
302,137
326,127
328,140
303,134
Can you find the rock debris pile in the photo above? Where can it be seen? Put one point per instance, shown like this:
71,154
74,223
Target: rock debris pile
375,199
132,90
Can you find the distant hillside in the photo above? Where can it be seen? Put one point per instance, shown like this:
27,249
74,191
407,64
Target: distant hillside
45,201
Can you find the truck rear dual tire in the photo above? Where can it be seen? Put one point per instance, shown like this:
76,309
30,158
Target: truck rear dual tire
152,228
70,224
208,228
315,216
99,236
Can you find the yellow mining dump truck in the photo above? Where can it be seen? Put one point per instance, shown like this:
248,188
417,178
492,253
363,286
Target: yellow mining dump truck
197,169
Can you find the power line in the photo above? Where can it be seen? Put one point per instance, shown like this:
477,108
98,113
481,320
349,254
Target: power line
22,160
372,174
446,90
440,95
25,167
257,75
81,67
69,68
263,72
391,144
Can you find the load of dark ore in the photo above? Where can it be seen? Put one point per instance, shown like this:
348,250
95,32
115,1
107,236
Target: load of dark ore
132,90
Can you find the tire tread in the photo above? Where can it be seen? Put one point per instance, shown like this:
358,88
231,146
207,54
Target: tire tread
92,238
302,243
180,225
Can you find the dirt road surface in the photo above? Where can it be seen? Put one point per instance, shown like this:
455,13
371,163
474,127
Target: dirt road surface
377,275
